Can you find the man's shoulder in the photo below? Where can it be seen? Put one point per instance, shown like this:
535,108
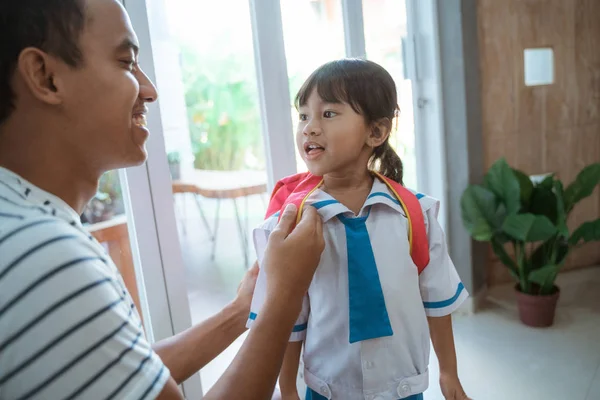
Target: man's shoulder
34,227
39,244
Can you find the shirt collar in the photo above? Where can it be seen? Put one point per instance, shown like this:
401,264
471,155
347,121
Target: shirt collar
35,196
328,207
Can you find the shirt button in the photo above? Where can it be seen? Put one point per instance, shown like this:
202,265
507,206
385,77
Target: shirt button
325,390
369,364
404,390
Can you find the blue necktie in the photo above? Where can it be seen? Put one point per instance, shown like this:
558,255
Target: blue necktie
368,314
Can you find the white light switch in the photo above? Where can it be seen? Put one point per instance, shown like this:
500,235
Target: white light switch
539,66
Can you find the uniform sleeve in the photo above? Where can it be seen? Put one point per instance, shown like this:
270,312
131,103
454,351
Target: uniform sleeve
261,236
71,329
441,288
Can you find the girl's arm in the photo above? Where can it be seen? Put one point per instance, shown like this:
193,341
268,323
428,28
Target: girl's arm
289,371
442,337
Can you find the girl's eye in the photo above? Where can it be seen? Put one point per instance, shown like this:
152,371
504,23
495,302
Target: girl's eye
302,117
329,114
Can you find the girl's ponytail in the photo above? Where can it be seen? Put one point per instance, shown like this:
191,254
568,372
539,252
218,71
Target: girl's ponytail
387,162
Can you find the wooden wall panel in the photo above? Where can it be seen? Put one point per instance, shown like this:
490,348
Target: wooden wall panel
554,128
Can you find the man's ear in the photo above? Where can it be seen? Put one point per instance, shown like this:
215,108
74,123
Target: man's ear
38,71
380,131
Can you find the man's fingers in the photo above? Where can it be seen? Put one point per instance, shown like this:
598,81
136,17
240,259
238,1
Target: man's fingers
254,269
286,223
308,222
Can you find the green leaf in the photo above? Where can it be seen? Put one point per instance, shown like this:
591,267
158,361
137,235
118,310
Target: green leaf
545,277
526,186
561,213
552,251
501,180
583,186
544,202
503,256
587,232
479,212
529,227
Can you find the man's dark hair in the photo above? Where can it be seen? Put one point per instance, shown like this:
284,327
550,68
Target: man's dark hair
53,26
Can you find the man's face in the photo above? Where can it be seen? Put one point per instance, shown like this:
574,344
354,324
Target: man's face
105,98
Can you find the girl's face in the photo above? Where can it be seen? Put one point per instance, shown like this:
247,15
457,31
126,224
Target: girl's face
332,138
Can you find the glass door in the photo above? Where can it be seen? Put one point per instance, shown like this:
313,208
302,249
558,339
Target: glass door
211,132
386,38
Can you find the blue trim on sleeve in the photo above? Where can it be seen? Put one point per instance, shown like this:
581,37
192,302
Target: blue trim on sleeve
300,328
445,303
297,328
420,196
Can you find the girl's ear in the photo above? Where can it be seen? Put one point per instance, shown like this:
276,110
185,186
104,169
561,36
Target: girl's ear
380,132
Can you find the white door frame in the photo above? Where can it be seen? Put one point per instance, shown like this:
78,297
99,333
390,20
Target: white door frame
163,289
423,49
273,89
354,28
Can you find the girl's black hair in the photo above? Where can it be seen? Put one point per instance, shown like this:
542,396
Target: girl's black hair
370,90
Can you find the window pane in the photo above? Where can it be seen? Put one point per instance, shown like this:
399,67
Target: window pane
385,34
313,33
204,63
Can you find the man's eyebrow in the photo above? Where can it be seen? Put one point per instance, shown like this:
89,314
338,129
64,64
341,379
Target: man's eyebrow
128,44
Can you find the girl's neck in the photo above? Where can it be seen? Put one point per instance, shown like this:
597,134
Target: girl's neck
347,181
350,189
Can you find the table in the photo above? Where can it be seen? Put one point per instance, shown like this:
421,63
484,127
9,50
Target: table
221,185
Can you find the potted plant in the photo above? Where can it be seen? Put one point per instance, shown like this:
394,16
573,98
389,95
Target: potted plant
174,160
526,225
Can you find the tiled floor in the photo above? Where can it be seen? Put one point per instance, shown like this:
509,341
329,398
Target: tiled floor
499,358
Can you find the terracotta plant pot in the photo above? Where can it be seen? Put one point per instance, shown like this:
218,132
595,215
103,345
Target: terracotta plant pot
537,311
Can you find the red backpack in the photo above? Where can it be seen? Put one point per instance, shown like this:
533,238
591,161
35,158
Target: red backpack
297,188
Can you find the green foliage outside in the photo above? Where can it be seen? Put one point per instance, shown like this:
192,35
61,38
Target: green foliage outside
223,112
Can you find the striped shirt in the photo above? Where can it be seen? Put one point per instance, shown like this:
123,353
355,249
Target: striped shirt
68,327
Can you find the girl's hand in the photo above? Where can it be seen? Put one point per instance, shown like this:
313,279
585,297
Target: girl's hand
451,388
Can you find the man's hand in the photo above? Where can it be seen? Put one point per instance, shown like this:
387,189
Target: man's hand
246,290
292,258
451,387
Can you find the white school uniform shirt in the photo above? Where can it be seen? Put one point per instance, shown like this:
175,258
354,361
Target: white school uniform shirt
384,368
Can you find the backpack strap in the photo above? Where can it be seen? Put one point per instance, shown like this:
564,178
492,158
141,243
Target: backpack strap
417,233
295,190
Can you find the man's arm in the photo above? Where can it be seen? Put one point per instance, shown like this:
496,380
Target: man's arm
189,351
290,262
254,371
289,371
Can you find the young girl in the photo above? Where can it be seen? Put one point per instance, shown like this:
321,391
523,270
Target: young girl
385,283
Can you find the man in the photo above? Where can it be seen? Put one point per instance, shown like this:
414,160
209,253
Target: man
72,106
